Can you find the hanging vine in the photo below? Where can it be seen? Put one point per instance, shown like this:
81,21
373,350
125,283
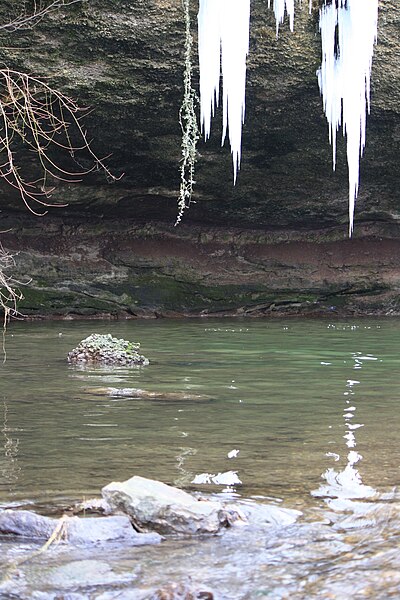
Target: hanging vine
188,122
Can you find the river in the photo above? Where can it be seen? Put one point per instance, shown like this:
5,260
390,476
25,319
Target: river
301,414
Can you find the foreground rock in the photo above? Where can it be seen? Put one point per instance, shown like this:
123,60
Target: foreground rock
106,350
152,505
79,532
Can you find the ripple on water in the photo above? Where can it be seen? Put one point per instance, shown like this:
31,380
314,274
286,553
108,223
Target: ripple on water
313,434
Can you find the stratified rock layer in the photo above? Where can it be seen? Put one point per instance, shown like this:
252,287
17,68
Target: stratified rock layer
274,243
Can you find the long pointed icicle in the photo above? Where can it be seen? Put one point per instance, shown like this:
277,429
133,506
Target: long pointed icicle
279,7
224,30
348,33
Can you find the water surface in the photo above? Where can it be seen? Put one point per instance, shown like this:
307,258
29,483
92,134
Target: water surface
307,410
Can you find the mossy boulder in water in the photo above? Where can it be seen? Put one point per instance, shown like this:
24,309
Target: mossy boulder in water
107,350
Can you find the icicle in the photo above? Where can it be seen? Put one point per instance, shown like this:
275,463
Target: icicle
348,34
224,29
209,60
279,11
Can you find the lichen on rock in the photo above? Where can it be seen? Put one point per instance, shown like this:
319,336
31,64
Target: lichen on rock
107,350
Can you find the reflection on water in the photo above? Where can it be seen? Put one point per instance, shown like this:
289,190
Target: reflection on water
283,393
346,484
10,468
300,414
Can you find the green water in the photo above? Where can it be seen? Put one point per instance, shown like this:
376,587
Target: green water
277,394
295,398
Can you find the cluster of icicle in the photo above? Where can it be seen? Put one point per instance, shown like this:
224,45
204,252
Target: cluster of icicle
223,45
348,32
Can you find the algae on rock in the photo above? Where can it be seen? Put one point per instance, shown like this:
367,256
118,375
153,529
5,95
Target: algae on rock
107,350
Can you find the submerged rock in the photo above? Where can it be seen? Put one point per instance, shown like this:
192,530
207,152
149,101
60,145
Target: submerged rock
106,350
146,394
153,505
269,514
79,532
180,591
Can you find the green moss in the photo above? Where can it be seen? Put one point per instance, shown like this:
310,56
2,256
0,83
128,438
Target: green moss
105,349
159,292
50,302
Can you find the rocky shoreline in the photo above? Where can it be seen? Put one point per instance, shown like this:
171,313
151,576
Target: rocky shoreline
137,512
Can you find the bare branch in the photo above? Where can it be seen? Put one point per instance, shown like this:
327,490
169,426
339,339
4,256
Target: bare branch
9,292
42,118
26,21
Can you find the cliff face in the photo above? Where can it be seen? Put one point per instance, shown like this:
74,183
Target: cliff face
276,241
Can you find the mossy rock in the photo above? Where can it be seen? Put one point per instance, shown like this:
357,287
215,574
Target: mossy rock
106,350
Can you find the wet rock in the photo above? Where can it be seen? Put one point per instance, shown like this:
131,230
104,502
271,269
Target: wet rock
106,350
91,505
269,514
153,505
181,591
74,530
84,573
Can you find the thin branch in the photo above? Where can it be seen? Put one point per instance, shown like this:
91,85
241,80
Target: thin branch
9,292
26,21
42,118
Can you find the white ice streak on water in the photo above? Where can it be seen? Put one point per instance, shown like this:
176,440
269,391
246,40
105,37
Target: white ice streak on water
355,425
233,453
227,478
348,33
351,440
333,455
346,483
223,27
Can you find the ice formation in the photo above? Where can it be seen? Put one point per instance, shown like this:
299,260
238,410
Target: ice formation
223,38
348,33
224,42
279,11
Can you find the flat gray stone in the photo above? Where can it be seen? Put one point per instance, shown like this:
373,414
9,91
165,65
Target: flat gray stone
153,505
76,531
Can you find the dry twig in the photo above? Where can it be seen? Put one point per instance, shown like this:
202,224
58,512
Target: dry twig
59,533
26,20
9,292
41,117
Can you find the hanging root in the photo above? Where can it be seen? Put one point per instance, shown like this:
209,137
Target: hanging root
188,122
